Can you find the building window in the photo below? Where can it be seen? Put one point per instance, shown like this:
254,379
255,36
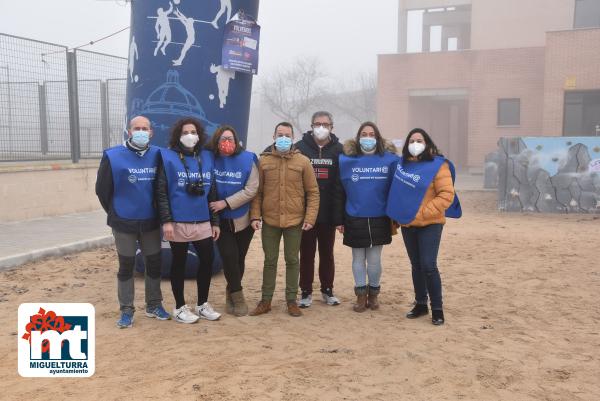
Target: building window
452,44
438,29
435,38
587,14
582,113
509,112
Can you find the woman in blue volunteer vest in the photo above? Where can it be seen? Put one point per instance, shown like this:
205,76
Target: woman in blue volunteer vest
185,186
366,170
421,197
236,179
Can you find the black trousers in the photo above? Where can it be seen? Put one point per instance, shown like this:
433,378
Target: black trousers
204,249
324,234
233,248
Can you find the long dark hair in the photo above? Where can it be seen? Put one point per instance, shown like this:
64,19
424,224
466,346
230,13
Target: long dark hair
213,144
430,149
379,147
177,129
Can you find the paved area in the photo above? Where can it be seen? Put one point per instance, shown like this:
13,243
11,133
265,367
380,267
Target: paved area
25,241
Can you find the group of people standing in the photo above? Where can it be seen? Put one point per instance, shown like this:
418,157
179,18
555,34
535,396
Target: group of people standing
203,190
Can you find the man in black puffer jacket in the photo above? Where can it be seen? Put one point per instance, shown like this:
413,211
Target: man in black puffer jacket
323,149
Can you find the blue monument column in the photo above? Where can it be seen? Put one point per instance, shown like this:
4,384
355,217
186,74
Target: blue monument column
175,71
175,66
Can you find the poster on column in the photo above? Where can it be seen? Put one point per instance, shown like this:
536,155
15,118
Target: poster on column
240,46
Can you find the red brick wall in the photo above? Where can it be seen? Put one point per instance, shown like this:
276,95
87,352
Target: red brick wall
398,74
569,54
488,75
497,74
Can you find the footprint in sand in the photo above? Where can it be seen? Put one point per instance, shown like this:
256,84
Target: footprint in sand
560,375
430,381
19,290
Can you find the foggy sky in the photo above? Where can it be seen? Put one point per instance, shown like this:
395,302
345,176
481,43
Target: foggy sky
345,34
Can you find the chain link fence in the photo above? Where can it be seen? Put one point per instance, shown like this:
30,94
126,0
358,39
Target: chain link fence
58,104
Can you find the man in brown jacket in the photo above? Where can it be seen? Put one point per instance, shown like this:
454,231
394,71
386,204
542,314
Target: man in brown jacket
287,202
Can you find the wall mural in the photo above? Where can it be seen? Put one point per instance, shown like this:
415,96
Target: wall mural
546,174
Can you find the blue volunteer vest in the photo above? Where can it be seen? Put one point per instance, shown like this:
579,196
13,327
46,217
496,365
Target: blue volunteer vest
186,207
409,186
366,181
133,182
231,175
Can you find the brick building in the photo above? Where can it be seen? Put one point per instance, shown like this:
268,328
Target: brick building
472,71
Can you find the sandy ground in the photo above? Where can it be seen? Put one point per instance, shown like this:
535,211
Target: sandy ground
521,303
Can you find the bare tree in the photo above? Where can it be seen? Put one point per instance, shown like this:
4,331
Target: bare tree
357,100
292,92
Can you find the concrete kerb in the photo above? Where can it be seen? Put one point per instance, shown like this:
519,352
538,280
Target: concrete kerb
61,250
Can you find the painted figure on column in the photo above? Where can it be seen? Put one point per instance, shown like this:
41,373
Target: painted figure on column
133,55
188,23
163,29
223,77
225,6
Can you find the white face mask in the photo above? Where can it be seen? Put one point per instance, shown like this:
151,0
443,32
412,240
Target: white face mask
189,140
321,133
416,148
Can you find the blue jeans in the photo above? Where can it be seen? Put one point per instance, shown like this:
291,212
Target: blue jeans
366,262
422,245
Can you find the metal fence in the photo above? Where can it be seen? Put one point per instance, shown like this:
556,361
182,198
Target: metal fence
58,104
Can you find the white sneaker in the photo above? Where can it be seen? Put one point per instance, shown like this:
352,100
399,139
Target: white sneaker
206,311
184,315
330,299
306,301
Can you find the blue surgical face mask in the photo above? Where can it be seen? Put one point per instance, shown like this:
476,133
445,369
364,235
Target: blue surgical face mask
368,144
140,138
283,143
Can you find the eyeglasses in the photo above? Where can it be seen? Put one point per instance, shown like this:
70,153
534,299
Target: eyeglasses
226,139
324,125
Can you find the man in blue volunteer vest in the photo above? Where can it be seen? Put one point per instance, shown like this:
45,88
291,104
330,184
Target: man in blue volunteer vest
322,148
125,189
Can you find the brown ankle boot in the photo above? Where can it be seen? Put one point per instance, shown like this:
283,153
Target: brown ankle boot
372,301
361,299
239,303
293,309
262,307
228,302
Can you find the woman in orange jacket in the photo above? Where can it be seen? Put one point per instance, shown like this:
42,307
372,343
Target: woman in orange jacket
421,196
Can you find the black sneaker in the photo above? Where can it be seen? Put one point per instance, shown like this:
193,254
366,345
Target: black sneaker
417,311
437,317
